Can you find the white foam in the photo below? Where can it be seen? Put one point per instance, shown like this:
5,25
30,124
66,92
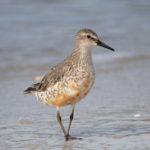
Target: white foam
137,115
103,58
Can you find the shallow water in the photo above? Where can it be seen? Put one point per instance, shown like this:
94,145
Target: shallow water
35,35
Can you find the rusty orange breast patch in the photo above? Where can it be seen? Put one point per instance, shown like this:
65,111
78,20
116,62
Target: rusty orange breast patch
62,100
75,91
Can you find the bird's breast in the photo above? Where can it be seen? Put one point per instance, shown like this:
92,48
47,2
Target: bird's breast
70,89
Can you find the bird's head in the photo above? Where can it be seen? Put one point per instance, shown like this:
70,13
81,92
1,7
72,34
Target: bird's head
88,38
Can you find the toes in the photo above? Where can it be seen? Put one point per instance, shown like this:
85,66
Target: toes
68,138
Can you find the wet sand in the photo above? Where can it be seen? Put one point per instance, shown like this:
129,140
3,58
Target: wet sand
107,118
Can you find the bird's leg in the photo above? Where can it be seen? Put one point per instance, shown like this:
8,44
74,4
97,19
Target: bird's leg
60,122
70,121
66,134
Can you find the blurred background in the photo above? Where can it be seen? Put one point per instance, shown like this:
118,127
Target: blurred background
37,34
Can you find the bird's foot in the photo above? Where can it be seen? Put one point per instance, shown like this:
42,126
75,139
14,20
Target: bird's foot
68,138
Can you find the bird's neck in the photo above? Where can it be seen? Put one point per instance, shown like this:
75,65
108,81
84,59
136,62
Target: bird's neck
82,54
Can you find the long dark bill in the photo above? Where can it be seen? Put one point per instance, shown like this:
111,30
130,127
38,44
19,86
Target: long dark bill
99,43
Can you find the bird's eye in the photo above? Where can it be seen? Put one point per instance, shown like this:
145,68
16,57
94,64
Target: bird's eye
88,36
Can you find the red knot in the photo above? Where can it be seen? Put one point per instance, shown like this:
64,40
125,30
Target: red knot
70,80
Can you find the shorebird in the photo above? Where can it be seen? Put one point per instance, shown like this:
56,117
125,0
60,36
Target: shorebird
70,80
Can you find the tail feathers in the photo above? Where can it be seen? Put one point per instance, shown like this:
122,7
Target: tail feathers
32,89
29,90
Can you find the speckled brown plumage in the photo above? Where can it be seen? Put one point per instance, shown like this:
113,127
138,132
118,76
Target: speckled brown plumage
70,80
